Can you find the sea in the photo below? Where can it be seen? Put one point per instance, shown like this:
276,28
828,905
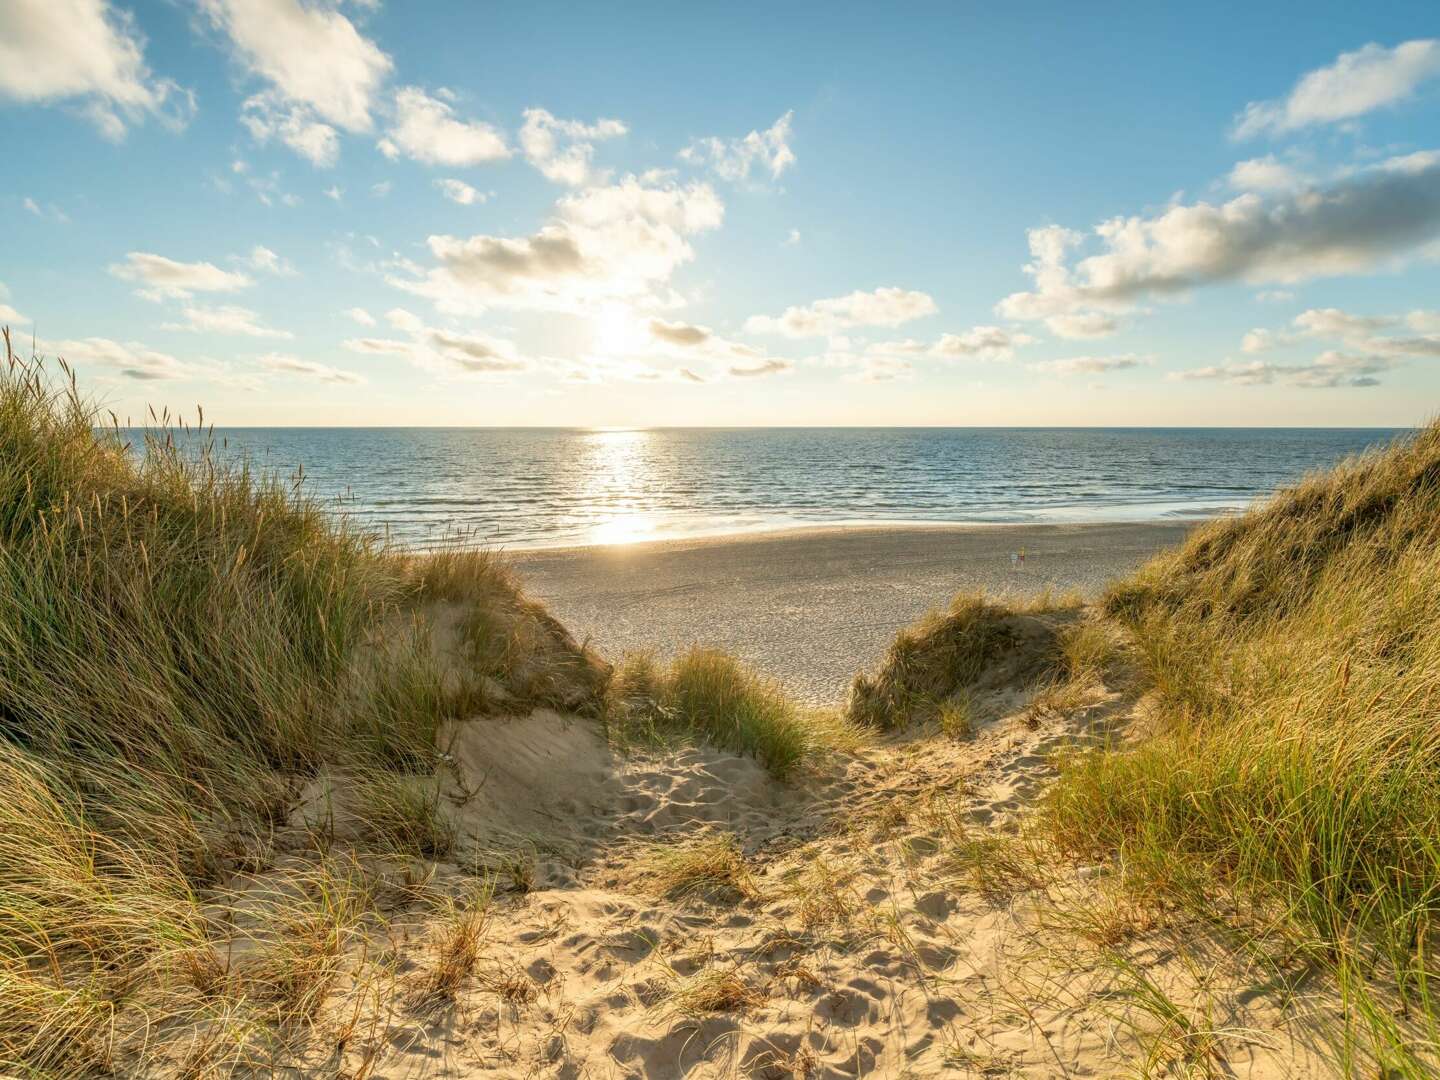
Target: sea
519,488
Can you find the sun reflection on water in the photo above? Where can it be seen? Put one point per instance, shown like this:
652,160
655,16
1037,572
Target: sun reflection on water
618,475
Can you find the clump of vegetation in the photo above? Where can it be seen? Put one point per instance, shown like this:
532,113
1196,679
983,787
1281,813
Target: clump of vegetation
184,642
708,694
712,867
927,663
1294,655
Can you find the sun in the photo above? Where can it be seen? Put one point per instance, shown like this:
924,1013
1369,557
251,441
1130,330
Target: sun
618,332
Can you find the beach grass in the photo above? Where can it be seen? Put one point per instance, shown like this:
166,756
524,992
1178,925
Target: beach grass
1293,771
709,695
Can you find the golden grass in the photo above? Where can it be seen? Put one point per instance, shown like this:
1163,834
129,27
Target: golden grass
708,694
712,868
184,643
1293,654
929,662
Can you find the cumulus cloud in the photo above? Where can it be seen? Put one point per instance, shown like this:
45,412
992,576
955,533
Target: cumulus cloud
282,364
679,333
226,319
885,306
1264,174
734,159
87,52
1358,82
615,242
446,352
1081,325
163,278
1369,217
269,116
425,129
266,261
322,73
1332,322
1427,322
8,315
130,359
980,343
361,316
1328,370
457,191
1360,332
563,149
1092,365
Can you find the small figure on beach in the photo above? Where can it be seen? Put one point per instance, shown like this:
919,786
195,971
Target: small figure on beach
1014,559
1022,556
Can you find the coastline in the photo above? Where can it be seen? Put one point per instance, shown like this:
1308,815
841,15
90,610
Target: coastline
812,606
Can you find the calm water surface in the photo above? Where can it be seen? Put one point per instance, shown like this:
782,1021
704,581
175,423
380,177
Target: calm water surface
527,487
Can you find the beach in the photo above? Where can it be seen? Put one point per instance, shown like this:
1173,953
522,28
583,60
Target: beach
811,607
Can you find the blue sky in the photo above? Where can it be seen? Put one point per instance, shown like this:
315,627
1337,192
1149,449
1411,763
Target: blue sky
451,213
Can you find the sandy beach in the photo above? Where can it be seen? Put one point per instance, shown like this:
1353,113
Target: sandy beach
814,606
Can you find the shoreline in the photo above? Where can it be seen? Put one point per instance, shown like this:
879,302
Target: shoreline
813,606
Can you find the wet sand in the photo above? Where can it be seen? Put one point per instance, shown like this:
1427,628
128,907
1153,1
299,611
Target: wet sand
811,607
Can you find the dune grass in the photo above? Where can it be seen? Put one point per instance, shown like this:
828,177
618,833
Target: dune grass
707,694
929,662
183,642
1293,779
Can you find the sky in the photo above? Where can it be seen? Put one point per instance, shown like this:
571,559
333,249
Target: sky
316,212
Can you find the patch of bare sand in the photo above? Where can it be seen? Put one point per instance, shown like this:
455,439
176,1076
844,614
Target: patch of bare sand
893,924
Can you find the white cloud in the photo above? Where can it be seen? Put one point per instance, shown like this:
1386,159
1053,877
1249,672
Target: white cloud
88,52
457,191
1368,218
562,149
760,368
980,343
266,261
733,159
1427,322
334,192
324,73
8,315
164,278
1264,174
132,359
1358,82
1081,325
361,316
281,364
792,238
679,333
885,306
1274,296
614,242
1262,340
381,189
1092,365
426,130
1334,323
1328,370
226,319
446,352
269,116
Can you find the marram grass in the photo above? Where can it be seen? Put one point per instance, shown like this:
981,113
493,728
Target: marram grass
1293,778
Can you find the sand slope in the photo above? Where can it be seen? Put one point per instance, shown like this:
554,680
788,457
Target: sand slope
884,928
